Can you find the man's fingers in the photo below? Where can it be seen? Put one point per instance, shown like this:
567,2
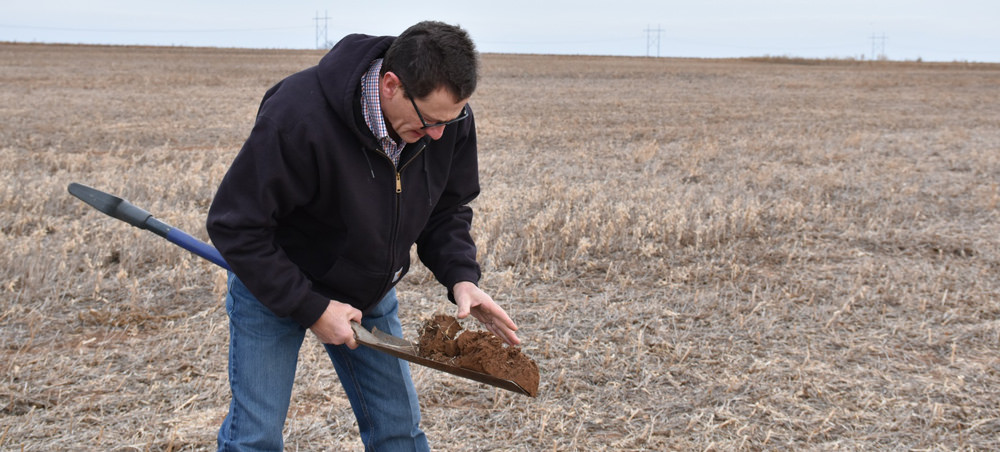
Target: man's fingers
498,318
502,328
334,325
471,300
509,336
355,315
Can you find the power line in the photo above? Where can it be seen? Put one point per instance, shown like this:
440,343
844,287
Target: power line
649,39
323,30
878,42
147,30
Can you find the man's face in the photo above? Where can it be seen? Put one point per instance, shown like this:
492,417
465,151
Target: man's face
401,112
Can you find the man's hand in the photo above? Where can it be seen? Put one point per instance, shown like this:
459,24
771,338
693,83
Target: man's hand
472,300
334,326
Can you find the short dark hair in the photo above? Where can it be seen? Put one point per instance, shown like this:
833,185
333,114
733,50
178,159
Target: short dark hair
431,55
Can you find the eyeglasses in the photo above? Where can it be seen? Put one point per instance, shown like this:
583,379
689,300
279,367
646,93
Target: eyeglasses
464,114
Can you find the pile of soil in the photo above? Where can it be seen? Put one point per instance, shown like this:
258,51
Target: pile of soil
480,351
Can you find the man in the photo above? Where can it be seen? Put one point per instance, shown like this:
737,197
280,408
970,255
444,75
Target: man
349,164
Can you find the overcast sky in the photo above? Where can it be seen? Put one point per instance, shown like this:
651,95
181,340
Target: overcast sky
942,30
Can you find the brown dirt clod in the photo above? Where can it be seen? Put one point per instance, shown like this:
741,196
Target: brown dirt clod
478,351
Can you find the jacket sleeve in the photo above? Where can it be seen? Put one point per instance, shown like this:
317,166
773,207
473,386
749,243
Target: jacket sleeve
446,246
267,180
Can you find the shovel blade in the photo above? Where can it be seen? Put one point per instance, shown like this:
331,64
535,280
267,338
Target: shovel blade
405,350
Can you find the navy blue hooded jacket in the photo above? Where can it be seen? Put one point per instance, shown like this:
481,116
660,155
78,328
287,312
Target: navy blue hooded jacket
312,209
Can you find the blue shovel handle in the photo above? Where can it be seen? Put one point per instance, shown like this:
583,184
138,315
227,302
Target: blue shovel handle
123,210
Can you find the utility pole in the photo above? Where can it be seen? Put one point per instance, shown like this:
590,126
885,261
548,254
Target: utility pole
649,39
878,42
322,31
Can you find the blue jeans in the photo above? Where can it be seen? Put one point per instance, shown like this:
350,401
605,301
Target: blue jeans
263,353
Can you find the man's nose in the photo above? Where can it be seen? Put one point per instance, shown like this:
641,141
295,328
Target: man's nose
435,132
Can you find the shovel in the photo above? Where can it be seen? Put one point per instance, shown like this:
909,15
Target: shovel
125,211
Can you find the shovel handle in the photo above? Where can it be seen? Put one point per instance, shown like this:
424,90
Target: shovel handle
186,241
123,210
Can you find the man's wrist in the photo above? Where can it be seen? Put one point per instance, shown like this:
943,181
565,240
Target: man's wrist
463,282
451,290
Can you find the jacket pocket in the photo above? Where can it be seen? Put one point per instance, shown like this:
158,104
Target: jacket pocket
350,283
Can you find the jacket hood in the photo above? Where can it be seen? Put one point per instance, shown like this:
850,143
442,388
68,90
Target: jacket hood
340,75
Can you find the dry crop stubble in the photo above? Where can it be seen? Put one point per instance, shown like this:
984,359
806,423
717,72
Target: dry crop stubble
701,254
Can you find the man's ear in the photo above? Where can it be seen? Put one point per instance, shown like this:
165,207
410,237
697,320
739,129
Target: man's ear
390,84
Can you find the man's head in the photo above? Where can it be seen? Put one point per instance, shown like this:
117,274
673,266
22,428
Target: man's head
428,74
432,55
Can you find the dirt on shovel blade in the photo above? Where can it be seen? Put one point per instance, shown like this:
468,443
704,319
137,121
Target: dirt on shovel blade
480,351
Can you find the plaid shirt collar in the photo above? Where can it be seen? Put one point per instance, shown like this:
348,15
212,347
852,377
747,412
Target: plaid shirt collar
371,109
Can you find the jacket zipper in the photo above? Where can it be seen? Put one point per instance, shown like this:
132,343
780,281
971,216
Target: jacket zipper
399,171
396,219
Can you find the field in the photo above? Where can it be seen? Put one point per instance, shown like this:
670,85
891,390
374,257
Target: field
701,254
